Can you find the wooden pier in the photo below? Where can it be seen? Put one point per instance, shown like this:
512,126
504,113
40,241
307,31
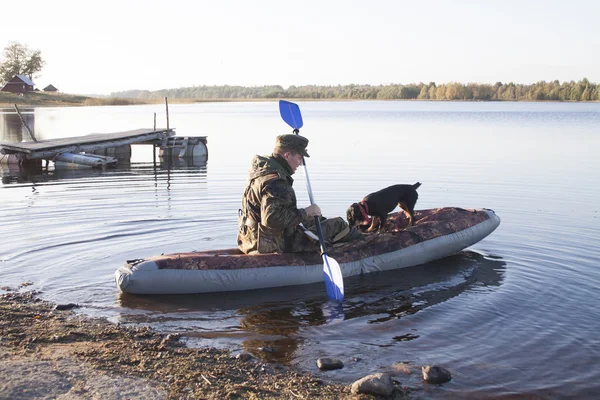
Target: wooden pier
47,149
88,149
98,149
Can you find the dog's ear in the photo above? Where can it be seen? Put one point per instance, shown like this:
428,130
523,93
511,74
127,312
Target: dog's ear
350,215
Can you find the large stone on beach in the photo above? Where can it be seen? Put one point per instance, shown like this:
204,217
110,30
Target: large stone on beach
329,363
379,384
64,307
244,357
435,374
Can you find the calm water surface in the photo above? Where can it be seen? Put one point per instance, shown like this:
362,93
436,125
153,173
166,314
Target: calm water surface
514,316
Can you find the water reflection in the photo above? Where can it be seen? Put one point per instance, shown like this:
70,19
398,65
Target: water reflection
391,295
12,129
170,162
16,173
13,173
272,324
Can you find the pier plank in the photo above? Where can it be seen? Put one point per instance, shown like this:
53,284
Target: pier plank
59,144
49,149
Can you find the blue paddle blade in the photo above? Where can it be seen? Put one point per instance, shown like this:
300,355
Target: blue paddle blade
290,112
334,282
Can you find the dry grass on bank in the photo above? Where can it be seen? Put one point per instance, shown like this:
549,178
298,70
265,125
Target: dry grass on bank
111,101
8,100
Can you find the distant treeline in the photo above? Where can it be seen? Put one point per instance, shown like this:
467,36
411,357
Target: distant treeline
582,90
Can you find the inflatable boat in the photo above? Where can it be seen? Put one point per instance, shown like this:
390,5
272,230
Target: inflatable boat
437,233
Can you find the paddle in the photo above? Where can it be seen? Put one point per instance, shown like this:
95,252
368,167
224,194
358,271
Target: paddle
334,282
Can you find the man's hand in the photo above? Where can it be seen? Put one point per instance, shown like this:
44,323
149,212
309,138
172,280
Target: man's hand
313,211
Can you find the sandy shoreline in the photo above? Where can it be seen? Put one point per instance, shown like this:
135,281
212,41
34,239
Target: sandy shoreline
46,352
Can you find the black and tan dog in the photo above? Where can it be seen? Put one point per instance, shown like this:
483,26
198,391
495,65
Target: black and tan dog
380,204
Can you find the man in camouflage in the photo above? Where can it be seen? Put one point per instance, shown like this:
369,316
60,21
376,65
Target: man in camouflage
269,218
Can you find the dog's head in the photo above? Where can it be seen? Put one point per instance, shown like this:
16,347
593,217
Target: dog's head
353,215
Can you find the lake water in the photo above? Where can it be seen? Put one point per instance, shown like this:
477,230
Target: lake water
515,316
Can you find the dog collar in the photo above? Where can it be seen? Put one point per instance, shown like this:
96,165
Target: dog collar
364,210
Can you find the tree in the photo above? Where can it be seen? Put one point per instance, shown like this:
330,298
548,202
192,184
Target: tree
455,91
19,59
409,92
432,90
424,94
440,92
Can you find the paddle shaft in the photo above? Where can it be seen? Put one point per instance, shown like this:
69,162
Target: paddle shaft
312,201
334,281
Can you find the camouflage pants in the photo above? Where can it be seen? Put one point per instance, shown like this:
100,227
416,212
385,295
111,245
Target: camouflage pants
335,230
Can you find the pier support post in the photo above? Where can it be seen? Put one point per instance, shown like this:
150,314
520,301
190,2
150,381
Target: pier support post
167,108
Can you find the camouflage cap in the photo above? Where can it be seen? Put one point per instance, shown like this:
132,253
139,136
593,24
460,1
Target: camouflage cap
295,142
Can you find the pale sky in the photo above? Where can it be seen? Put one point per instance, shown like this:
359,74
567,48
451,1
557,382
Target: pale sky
106,46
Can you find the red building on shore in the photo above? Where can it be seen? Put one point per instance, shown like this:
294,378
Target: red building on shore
19,84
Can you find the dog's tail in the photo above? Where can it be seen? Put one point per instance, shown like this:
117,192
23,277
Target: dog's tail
416,185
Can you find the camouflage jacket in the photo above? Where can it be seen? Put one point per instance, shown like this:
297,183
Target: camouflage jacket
269,215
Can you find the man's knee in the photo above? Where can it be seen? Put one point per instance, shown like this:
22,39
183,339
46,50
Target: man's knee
342,232
352,235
